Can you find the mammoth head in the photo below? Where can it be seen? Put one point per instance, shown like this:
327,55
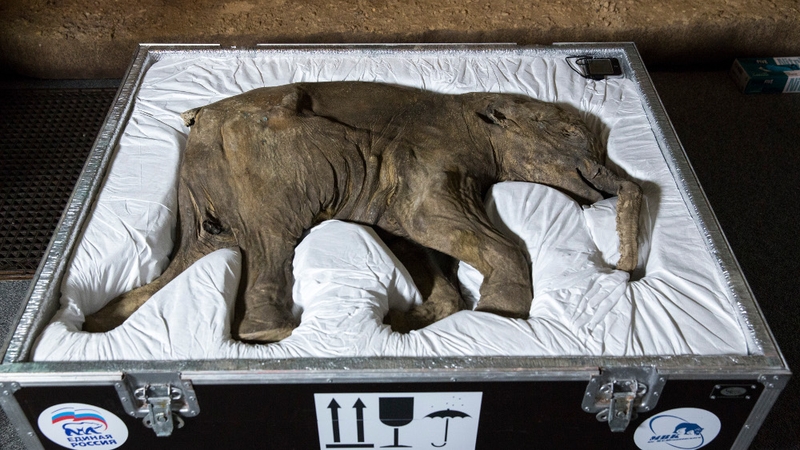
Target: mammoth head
518,117
540,142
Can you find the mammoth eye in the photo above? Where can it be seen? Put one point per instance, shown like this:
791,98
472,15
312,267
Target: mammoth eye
570,131
492,116
212,226
485,118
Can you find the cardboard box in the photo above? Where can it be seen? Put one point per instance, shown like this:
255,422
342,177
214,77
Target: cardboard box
767,75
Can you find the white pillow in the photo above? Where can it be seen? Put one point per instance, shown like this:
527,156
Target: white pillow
560,238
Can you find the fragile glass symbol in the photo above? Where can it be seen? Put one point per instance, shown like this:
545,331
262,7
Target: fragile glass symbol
396,412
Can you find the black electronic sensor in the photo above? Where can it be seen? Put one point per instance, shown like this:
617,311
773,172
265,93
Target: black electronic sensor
595,68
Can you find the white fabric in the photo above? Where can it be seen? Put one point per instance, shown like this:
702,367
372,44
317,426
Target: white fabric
346,279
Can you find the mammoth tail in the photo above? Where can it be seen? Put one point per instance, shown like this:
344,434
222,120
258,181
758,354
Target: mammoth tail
189,116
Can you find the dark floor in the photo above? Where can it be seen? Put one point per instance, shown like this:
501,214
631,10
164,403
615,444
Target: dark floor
745,151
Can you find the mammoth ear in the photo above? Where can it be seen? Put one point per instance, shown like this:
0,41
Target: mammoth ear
295,103
189,116
493,116
299,101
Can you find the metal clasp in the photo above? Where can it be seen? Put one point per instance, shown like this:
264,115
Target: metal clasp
617,395
160,399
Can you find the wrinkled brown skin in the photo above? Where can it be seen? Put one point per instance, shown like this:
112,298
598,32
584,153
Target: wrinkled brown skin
263,167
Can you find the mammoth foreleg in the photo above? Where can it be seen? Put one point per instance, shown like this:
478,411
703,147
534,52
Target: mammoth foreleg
456,224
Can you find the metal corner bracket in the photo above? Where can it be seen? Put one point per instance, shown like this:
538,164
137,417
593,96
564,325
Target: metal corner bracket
161,400
617,395
16,415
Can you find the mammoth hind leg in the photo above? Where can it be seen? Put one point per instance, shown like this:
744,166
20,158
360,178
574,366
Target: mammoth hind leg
264,306
115,312
193,244
434,274
264,313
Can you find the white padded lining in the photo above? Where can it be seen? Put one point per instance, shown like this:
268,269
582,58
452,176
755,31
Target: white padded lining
346,279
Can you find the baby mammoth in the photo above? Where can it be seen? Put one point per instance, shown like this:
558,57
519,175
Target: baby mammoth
263,167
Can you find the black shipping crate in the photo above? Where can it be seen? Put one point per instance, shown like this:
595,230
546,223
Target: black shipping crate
480,399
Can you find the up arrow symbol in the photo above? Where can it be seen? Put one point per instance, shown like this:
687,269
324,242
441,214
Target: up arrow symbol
359,406
334,407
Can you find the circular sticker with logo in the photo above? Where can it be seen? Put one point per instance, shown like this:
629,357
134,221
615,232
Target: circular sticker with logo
682,428
77,425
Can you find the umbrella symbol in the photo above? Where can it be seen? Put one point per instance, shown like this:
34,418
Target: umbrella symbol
447,414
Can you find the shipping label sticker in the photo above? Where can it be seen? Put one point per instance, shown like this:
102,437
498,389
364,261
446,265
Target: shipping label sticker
413,420
77,425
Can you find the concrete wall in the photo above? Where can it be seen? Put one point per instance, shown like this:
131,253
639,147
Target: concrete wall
97,38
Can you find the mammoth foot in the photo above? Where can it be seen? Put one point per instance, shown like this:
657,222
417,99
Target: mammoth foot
442,297
508,299
119,309
99,323
265,336
265,324
423,315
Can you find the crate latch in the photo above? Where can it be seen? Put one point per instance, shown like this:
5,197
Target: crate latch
617,395
161,400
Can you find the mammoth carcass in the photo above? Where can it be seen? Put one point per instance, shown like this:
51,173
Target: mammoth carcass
263,167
